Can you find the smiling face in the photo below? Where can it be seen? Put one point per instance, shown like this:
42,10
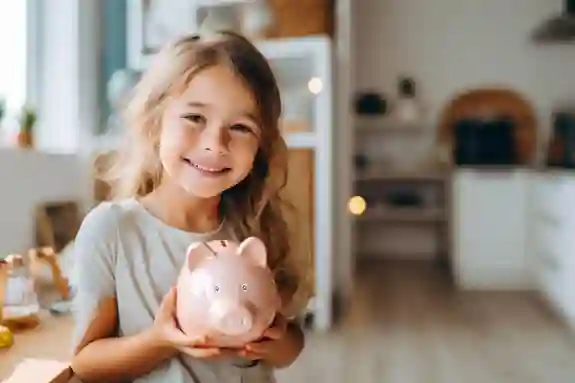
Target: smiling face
210,133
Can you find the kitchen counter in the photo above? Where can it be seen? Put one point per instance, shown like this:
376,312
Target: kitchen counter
49,340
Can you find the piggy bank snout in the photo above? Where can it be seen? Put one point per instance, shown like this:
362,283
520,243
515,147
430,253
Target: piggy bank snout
232,318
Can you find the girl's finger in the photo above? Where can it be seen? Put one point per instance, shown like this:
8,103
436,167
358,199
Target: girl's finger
168,305
259,347
200,352
277,330
182,340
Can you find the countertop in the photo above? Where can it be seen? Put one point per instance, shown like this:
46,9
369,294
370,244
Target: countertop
49,340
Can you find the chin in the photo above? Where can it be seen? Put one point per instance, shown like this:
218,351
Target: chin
206,188
202,192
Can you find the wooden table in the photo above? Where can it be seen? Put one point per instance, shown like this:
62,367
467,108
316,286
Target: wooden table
49,340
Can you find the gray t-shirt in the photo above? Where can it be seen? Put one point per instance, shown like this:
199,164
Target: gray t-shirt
123,250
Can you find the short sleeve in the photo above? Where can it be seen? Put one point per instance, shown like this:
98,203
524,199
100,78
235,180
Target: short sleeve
94,253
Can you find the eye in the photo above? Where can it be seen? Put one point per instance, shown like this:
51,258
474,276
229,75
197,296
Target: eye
194,118
217,289
242,128
244,287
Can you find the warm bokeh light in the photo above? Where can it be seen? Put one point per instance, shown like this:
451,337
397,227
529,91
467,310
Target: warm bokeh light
357,205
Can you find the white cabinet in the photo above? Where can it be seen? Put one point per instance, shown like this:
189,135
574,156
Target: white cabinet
553,229
489,229
516,230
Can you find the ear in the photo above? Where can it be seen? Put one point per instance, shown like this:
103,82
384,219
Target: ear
197,252
254,249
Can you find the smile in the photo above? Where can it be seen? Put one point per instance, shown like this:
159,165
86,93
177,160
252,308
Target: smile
207,170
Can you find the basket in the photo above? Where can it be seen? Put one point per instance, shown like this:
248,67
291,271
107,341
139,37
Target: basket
301,18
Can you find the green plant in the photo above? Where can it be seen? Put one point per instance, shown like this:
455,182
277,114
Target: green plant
27,120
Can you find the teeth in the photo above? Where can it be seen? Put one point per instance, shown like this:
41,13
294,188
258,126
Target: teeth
205,169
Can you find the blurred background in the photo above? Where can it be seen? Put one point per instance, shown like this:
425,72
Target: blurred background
432,162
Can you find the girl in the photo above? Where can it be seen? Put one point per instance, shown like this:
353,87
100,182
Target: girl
205,160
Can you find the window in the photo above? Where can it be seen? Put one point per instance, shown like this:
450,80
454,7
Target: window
13,63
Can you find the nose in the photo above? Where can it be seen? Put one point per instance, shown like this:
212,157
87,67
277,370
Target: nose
233,319
215,139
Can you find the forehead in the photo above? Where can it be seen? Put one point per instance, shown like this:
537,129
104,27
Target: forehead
221,89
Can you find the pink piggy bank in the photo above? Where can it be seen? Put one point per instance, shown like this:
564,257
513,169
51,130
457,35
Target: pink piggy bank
226,292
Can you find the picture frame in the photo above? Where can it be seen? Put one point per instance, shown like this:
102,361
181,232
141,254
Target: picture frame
57,224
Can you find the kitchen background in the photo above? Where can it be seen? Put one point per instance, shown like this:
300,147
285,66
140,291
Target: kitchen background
446,139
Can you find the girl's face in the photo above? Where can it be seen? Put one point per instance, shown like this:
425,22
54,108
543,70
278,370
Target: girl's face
210,133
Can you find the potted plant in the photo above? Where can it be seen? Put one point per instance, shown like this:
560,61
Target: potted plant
27,123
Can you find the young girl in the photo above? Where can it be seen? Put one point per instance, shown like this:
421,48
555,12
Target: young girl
205,160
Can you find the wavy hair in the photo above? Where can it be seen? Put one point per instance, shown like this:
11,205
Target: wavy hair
255,205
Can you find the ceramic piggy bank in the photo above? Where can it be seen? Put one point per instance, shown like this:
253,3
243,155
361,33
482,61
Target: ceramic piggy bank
226,292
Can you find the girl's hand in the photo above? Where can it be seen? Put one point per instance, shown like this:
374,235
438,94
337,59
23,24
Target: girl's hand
167,333
271,343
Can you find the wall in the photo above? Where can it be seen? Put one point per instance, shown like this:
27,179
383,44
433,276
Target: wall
64,67
30,178
448,45
452,44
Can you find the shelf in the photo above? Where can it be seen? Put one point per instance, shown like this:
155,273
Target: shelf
406,214
295,61
377,172
376,175
220,3
384,124
295,47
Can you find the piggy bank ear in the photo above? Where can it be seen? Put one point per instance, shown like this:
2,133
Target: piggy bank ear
254,249
197,252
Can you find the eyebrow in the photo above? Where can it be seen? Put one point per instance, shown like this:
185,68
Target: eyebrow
250,115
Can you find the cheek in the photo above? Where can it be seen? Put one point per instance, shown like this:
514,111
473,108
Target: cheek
244,151
175,132
175,140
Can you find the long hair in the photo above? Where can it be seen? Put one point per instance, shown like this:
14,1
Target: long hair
254,207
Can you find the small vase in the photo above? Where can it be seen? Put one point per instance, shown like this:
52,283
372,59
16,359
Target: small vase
24,140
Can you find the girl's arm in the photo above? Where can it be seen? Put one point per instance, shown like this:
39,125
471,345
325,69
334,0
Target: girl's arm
99,355
292,342
288,347
102,357
283,342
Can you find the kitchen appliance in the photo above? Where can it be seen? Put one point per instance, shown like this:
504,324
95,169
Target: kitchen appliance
559,28
484,142
561,149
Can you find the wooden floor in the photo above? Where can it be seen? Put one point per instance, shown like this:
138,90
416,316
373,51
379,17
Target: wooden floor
409,325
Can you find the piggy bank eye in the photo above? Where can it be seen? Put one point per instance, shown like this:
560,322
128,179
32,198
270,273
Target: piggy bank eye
244,287
217,289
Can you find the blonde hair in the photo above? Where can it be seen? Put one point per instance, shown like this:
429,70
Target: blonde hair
254,206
